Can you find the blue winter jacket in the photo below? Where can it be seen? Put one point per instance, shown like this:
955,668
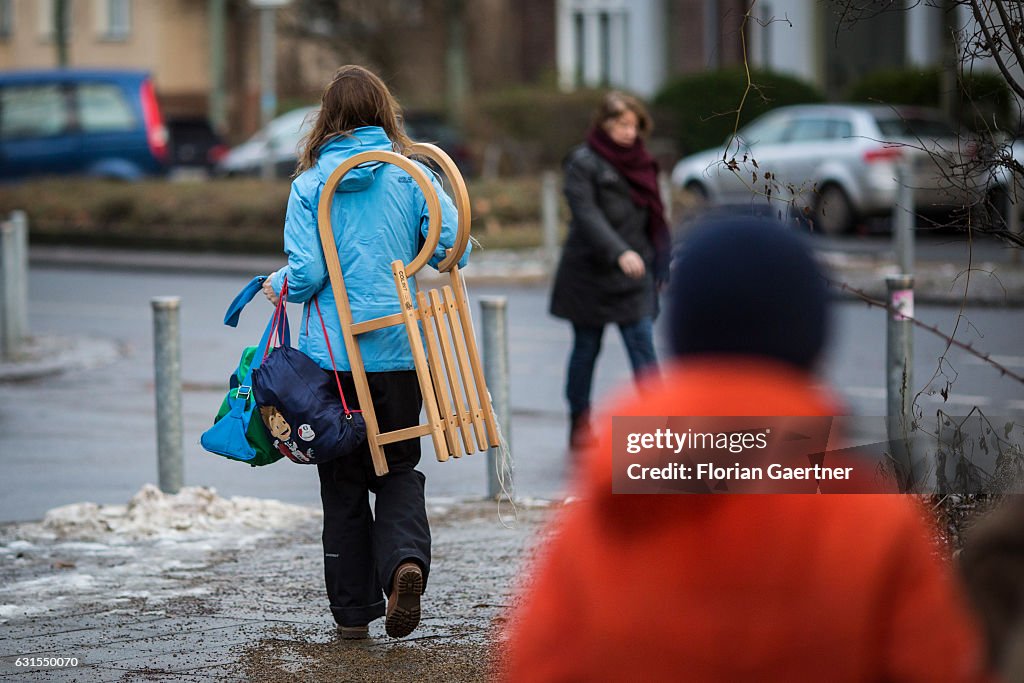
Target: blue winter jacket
379,215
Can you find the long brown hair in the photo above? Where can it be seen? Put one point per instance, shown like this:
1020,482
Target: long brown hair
355,97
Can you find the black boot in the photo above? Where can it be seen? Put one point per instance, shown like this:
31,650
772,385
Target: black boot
580,434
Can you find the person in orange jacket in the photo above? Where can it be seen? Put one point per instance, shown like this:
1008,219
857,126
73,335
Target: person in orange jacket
838,587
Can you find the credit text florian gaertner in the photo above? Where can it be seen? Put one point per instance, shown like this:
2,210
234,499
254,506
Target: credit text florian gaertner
733,442
709,471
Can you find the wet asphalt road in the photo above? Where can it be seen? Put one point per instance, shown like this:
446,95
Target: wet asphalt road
89,434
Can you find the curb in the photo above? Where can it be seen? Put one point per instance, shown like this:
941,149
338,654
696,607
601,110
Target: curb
487,267
991,284
940,283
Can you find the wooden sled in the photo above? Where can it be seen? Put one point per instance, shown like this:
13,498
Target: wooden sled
460,417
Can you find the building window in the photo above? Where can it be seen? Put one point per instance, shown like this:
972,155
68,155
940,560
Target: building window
599,44
47,16
579,55
114,19
6,18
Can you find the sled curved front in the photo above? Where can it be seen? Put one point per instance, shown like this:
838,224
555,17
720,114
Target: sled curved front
461,198
410,167
448,365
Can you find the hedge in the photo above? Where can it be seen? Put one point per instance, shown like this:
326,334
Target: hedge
533,127
984,98
238,215
703,106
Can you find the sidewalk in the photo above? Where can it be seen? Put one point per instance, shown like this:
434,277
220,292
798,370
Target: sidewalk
985,283
175,591
194,587
486,265
991,283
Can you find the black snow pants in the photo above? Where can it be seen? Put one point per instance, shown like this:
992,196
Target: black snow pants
362,549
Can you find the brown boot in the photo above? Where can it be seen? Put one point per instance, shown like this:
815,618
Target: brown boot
403,612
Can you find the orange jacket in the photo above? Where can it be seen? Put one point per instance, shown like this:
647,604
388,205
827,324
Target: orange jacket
737,587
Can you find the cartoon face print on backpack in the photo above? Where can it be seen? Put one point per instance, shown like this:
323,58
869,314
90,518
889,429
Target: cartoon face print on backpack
276,423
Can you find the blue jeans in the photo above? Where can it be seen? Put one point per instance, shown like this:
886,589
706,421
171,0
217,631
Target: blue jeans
639,340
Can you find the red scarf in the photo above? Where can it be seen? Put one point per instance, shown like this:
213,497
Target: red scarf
640,170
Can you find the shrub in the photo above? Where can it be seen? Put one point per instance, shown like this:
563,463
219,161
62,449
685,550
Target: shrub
230,215
534,127
703,106
984,98
238,215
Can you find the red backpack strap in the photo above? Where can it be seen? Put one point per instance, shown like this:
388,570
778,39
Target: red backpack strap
327,340
279,319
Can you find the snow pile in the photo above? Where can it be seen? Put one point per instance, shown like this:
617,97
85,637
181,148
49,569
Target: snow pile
153,551
151,513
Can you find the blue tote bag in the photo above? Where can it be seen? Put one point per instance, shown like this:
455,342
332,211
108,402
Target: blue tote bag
235,434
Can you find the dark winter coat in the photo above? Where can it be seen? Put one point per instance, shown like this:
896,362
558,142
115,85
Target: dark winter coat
590,288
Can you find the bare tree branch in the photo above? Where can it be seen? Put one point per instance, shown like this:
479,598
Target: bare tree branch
985,357
993,47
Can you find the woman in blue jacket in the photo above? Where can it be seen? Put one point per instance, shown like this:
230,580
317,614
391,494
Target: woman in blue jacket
379,215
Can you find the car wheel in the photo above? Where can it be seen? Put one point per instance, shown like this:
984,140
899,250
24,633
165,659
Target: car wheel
833,213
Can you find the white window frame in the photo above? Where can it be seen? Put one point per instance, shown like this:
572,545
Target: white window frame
594,43
6,19
113,19
631,54
47,27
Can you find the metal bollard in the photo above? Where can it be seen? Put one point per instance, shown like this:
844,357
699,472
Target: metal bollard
8,343
167,362
549,216
495,359
19,219
903,230
665,190
13,283
899,368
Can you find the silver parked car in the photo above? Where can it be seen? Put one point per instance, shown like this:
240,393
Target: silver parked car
838,162
279,140
1004,184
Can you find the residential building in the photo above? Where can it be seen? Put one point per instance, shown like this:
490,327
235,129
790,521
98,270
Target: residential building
205,60
810,39
435,54
429,51
166,38
638,44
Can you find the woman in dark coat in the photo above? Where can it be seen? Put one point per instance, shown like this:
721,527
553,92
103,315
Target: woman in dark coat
615,258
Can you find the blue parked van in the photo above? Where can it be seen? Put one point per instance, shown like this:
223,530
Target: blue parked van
99,123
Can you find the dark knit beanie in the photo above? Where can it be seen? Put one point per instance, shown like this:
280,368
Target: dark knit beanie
748,286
